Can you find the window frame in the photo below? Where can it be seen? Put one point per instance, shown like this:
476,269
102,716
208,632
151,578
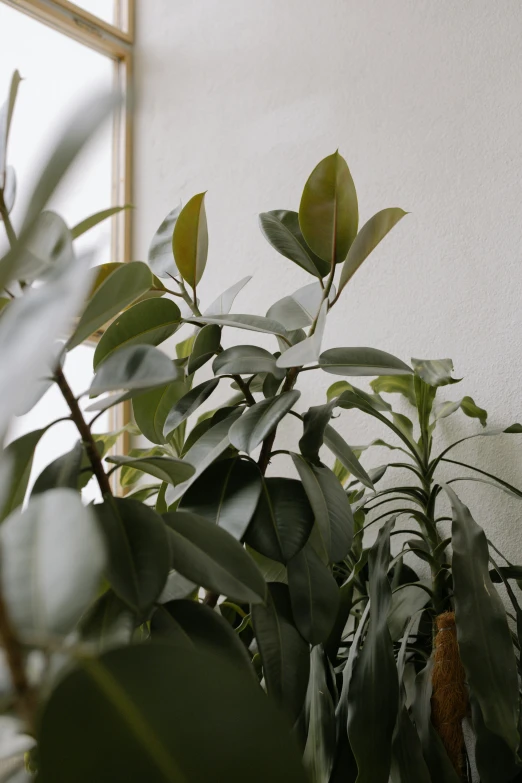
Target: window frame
111,41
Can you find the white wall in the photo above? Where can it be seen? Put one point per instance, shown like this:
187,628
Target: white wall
424,99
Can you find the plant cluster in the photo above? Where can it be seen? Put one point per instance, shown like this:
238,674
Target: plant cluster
210,621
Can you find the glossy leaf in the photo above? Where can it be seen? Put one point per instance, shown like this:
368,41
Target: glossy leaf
406,601
47,246
315,422
367,240
149,322
52,559
395,384
204,452
142,711
329,213
190,240
198,626
223,304
299,309
96,219
206,345
284,652
361,361
20,454
314,595
65,472
330,505
209,556
283,520
281,229
408,764
434,372
226,494
260,420
482,628
319,752
187,404
161,256
134,367
122,287
374,689
306,351
173,471
253,323
244,360
138,548
346,456
107,623
152,408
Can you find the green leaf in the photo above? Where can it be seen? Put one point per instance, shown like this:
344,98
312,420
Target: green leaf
47,246
209,556
64,472
314,595
361,361
152,408
19,453
9,193
204,452
367,240
483,633
52,559
94,220
272,570
226,494
374,689
408,764
284,652
281,229
245,360
260,420
149,322
223,304
190,240
315,422
138,549
406,601
187,404
440,767
329,213
253,323
506,572
395,384
319,752
131,707
6,116
330,506
173,471
107,623
434,372
206,345
199,627
466,404
134,367
161,256
122,287
283,520
308,350
346,456
299,309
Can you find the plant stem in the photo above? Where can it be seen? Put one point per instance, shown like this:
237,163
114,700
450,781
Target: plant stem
266,448
15,659
11,236
85,433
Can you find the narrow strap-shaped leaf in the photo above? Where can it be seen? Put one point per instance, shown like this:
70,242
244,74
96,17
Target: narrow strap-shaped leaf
319,752
96,219
374,689
483,633
314,595
498,481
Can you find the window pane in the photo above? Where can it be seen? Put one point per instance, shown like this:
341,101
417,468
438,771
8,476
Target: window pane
111,11
59,75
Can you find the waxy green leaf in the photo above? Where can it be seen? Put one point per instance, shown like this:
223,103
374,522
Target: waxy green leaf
187,404
329,213
190,240
314,595
361,361
281,228
96,219
161,256
206,345
134,367
245,360
260,420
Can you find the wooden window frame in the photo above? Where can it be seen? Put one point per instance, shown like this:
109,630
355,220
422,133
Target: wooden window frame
115,42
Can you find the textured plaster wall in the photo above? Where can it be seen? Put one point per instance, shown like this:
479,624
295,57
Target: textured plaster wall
424,99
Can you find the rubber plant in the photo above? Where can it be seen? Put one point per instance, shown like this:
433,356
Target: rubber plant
218,617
